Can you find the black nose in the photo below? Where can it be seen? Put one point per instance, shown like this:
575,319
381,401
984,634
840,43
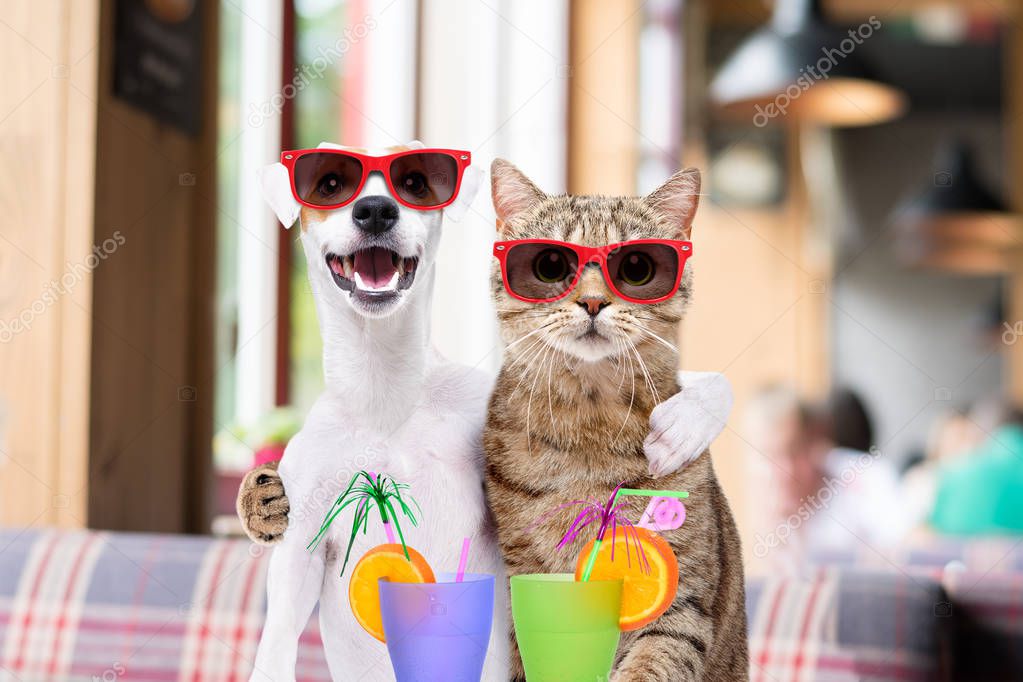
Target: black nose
375,214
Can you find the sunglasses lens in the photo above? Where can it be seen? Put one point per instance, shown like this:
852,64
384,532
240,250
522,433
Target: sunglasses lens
426,180
540,271
323,179
644,271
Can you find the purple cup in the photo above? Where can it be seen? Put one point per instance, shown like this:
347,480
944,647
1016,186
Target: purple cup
438,632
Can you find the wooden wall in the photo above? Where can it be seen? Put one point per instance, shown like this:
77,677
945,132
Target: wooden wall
152,381
603,108
1014,158
106,256
47,166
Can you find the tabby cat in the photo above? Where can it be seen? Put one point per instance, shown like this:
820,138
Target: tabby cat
571,408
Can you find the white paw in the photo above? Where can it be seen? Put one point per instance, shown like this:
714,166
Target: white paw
684,426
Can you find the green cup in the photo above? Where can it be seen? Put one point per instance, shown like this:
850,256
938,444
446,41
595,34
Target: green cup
567,631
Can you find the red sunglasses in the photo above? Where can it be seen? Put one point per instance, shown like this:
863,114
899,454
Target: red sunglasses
417,178
639,271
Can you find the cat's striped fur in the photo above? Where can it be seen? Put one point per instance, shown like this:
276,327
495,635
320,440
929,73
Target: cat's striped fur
561,427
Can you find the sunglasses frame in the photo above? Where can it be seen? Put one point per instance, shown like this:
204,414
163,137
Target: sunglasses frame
594,254
381,164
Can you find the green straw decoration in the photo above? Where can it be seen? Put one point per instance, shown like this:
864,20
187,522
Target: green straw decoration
365,491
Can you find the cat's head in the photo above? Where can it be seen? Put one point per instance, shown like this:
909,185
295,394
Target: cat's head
592,322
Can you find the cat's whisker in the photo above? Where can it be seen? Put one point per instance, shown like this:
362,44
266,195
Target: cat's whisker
550,402
527,335
632,396
668,344
529,403
525,352
524,357
646,373
619,351
534,352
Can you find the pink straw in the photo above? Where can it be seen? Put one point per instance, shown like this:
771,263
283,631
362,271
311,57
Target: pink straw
462,561
387,525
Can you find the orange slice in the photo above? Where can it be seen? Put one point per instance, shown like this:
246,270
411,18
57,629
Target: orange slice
645,596
383,561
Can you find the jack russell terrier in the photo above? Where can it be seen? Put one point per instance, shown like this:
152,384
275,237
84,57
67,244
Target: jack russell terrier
392,404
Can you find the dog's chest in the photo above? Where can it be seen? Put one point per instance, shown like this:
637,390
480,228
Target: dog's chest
436,451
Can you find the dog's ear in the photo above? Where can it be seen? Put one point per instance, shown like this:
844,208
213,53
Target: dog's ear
276,186
471,181
677,199
512,191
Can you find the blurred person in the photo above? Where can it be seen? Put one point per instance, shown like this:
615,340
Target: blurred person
827,488
865,505
954,433
981,492
785,470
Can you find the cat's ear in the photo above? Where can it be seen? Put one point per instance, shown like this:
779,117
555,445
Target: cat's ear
512,191
677,199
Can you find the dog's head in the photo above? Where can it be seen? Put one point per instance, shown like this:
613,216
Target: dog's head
367,253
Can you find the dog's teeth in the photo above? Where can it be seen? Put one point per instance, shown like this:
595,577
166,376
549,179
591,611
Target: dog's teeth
390,286
349,266
400,265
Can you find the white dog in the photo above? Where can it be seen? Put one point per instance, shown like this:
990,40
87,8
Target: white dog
393,405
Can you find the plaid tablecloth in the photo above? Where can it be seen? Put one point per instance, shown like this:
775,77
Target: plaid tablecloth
121,607
110,607
840,625
1002,554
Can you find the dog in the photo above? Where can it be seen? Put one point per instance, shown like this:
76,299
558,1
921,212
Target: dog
393,405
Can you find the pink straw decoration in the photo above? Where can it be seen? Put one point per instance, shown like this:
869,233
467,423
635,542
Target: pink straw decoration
462,561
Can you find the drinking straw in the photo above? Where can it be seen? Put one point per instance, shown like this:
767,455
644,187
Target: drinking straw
388,531
462,561
592,558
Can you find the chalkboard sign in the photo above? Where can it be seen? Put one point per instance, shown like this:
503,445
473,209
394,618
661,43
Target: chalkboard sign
158,59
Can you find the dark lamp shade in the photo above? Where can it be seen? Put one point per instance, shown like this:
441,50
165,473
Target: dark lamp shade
802,68
956,223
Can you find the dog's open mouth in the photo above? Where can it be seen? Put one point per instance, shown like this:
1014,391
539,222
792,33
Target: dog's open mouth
375,270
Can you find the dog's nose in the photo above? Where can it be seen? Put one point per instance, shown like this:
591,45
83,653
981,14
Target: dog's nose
593,304
375,214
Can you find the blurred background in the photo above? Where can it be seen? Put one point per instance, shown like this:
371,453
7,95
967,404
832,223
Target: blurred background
857,273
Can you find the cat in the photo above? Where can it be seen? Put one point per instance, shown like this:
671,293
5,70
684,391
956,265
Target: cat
569,412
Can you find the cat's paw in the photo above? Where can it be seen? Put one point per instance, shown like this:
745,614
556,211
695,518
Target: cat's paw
684,426
262,505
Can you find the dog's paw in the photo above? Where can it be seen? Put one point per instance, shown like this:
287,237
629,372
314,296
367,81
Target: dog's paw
262,505
684,426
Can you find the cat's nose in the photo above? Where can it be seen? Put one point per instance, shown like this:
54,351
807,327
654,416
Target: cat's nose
375,214
593,304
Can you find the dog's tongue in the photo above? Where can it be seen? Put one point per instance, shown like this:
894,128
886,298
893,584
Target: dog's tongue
374,266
